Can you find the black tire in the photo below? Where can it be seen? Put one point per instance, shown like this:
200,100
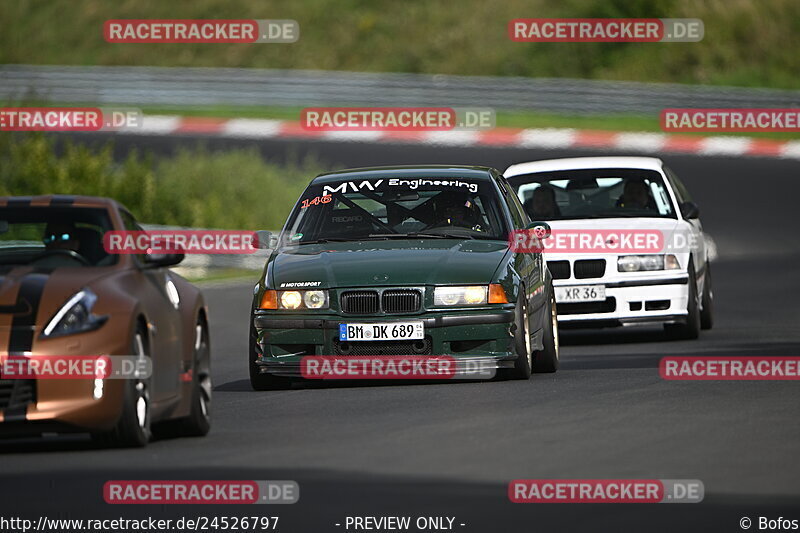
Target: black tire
133,429
522,339
546,360
707,310
259,381
198,423
691,328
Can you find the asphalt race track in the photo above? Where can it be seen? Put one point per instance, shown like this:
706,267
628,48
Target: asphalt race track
450,449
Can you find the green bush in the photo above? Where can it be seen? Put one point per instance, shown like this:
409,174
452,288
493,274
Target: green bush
235,189
747,42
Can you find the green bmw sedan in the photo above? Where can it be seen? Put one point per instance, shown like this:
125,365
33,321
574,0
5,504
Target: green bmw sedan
409,261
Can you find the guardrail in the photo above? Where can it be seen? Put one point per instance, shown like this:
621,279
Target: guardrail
153,86
201,265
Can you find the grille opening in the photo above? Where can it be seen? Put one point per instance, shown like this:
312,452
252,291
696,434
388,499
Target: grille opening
590,268
17,393
636,306
411,347
607,306
656,305
468,346
296,349
359,302
401,301
558,269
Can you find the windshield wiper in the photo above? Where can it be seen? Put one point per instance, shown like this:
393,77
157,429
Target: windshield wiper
410,236
423,235
323,241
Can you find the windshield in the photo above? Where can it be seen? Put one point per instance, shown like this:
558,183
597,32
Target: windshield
593,193
53,237
391,208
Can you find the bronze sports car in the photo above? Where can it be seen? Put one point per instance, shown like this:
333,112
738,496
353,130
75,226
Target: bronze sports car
62,295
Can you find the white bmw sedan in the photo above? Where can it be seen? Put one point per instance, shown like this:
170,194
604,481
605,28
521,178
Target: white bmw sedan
626,244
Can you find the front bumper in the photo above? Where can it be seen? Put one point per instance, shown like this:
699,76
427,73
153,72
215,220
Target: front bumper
474,337
36,406
629,302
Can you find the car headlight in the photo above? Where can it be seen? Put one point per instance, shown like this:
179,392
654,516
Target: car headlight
645,263
75,316
315,299
469,295
293,300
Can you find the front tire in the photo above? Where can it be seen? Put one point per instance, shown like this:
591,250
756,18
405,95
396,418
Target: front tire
133,429
546,361
707,312
198,423
691,329
522,339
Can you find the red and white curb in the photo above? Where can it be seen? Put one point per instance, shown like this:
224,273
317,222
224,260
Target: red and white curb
547,138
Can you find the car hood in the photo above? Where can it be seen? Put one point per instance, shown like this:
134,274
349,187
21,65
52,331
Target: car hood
622,223
668,227
376,263
36,294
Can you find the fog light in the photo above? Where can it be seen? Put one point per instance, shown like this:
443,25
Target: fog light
99,385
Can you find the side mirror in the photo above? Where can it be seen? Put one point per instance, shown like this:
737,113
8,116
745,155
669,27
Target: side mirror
265,240
162,260
540,229
690,210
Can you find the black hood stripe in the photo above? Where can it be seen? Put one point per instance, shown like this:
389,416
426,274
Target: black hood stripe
23,326
22,333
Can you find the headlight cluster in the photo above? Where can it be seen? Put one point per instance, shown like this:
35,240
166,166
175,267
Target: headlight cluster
75,316
645,263
292,300
469,295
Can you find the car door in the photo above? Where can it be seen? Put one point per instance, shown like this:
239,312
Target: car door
530,266
696,237
161,306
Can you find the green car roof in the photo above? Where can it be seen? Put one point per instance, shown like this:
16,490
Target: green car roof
410,171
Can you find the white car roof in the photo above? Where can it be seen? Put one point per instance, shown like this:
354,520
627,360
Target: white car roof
576,163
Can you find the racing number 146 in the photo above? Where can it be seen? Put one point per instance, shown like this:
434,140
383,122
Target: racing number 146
316,201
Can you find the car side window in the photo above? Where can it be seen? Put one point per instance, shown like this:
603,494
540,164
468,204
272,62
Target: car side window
518,215
681,192
131,225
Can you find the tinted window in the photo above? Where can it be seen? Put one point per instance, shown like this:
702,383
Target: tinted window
681,192
593,193
380,208
54,236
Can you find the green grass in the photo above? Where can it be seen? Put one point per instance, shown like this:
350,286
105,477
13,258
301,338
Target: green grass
234,189
747,42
